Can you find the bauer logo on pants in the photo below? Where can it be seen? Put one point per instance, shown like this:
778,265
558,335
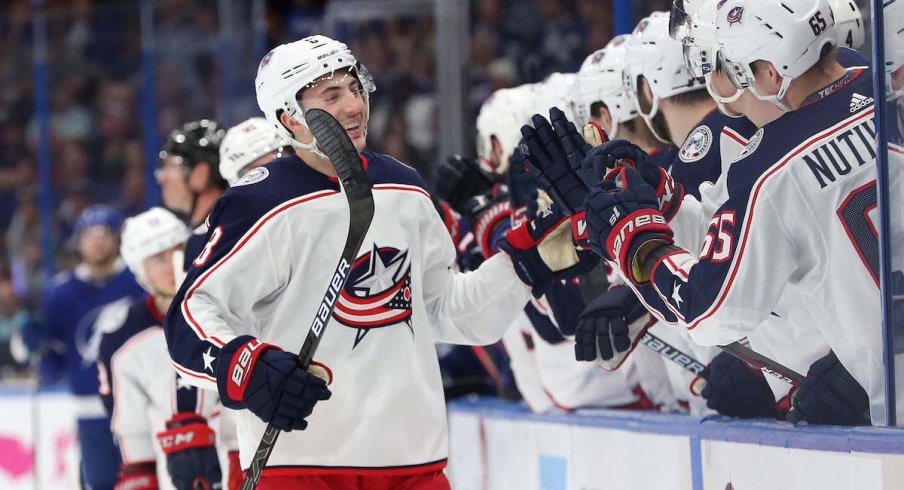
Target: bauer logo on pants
378,291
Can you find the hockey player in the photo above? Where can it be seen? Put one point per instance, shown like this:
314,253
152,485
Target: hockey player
272,239
160,447
788,236
100,277
248,145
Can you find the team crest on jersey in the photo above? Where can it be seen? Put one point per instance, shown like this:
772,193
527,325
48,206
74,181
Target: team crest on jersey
697,145
752,145
378,292
253,177
735,15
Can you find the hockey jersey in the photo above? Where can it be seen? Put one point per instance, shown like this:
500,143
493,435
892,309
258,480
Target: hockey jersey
70,307
274,240
796,232
140,390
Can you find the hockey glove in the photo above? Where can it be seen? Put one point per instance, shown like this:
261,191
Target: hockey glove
542,250
735,389
623,216
459,178
555,150
137,476
830,395
269,382
522,186
490,217
191,454
610,327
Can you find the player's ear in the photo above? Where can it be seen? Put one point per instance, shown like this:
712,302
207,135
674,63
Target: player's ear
301,132
605,118
497,151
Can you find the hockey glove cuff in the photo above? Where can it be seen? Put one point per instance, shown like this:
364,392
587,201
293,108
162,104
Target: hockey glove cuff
137,476
191,454
269,382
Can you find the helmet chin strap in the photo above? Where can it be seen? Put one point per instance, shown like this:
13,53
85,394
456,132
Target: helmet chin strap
722,102
776,99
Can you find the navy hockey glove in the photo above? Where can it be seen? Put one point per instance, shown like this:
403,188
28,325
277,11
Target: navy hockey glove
490,217
269,382
542,251
622,216
460,178
610,327
555,151
735,389
522,186
603,159
137,476
191,454
830,395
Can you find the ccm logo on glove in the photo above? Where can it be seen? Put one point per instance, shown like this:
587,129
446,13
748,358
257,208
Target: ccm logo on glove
240,368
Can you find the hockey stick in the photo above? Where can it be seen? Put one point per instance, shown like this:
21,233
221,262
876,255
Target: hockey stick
763,363
666,350
344,158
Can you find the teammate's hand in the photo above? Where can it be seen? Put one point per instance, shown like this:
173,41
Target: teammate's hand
522,184
555,151
735,389
269,382
606,157
542,250
830,395
622,216
610,327
138,476
459,178
191,454
489,217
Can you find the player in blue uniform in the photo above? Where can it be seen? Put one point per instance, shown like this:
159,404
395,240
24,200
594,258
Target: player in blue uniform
70,346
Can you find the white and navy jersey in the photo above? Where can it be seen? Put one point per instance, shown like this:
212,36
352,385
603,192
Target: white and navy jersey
139,388
797,230
274,241
717,139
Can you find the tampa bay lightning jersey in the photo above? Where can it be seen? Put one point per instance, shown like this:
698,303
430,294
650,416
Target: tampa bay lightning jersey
273,244
70,308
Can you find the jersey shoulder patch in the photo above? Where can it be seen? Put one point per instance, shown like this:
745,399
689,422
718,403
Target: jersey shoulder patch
697,144
253,177
752,145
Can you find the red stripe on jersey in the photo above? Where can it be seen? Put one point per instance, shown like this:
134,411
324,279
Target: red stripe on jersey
193,374
753,200
355,470
267,217
402,187
731,133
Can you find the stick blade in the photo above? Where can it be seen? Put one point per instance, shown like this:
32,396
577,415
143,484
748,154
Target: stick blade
339,147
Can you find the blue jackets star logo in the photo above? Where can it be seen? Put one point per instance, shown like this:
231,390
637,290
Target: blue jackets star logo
378,292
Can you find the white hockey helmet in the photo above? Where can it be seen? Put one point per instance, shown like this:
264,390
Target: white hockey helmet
147,234
894,43
600,80
555,91
790,34
653,54
245,143
848,23
501,116
289,68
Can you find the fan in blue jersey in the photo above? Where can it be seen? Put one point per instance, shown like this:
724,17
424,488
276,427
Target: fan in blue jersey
69,346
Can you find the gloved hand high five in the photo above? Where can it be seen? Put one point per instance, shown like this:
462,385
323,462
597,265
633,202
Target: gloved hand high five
460,178
542,250
623,215
610,327
555,151
269,382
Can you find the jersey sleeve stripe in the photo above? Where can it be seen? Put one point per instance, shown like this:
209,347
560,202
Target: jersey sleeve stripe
192,322
402,187
194,374
758,186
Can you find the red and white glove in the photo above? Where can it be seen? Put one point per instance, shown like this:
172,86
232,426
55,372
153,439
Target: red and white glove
137,476
191,454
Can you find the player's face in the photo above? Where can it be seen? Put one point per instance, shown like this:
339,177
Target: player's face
343,96
171,176
160,273
98,245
